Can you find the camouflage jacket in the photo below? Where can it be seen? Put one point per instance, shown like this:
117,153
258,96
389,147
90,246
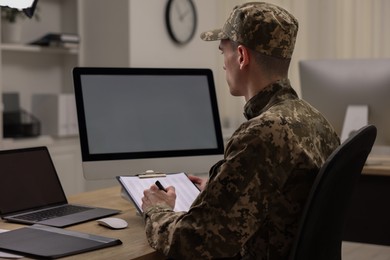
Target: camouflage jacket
251,205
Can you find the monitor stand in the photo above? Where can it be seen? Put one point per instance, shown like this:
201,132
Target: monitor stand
355,118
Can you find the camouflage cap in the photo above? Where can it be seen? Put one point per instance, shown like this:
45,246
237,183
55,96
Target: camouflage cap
263,27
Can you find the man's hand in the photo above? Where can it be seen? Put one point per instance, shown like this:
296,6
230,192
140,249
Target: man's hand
199,182
156,197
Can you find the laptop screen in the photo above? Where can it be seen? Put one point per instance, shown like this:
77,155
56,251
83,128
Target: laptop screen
28,180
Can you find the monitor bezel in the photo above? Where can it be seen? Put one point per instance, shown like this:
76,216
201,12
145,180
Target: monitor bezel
87,156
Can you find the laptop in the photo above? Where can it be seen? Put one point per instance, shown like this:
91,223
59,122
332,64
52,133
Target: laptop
31,192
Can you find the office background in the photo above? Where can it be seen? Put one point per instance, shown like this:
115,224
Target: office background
133,33
328,29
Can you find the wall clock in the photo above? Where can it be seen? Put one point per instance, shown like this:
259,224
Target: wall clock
181,20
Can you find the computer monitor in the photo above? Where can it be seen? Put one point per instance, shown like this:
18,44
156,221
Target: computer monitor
136,119
333,85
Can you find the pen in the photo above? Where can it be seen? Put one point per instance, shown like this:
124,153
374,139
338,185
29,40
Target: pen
159,185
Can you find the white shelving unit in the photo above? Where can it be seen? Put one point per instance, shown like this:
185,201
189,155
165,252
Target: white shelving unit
28,70
9,47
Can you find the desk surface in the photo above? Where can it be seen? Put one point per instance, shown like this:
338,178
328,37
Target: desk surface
133,237
377,165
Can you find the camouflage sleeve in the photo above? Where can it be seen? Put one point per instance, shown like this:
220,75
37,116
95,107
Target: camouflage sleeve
223,217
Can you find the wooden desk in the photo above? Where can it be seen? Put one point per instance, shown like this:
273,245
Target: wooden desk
377,165
135,245
377,169
369,214
133,237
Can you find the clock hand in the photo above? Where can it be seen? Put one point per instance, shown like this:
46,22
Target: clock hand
183,15
178,10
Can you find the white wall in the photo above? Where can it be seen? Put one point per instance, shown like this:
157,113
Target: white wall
133,33
328,29
150,45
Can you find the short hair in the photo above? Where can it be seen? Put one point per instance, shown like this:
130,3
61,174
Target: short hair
269,64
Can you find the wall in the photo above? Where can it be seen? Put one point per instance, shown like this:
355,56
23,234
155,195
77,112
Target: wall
133,33
329,29
105,33
150,45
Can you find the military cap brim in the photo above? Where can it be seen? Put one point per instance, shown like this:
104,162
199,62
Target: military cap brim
213,35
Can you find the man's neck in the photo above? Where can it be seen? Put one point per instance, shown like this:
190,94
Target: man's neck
257,85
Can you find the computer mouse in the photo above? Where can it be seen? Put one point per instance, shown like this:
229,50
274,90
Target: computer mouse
114,223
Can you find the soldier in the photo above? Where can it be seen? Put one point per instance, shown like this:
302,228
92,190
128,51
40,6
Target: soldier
251,204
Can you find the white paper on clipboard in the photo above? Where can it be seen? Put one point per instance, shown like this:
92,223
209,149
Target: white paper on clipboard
186,191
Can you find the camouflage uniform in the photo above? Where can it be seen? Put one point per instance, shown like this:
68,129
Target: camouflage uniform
251,205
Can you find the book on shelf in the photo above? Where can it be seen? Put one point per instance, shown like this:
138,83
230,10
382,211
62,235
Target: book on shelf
64,40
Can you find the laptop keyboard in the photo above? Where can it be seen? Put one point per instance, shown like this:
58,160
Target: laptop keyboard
52,213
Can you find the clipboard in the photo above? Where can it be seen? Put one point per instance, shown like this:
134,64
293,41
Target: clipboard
134,186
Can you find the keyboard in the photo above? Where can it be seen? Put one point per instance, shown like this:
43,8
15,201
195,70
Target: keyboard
52,213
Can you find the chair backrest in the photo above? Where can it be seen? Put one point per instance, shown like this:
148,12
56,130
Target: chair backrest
320,233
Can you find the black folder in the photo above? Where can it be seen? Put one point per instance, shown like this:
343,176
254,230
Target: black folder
47,242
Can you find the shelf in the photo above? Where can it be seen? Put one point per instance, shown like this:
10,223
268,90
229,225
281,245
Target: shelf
12,143
38,49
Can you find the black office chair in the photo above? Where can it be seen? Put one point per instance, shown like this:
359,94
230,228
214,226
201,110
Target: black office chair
320,233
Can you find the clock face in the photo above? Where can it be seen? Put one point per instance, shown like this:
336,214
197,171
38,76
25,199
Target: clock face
181,20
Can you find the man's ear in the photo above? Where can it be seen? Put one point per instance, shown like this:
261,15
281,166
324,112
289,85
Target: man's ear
243,56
